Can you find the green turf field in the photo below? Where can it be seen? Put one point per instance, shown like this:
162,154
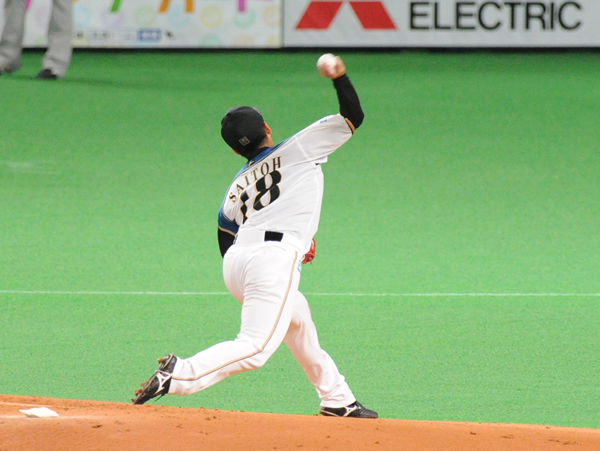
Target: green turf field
458,267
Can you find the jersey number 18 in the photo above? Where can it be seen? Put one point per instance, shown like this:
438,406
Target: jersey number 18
261,190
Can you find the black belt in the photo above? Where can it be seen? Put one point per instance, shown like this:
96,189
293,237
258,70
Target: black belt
258,236
273,236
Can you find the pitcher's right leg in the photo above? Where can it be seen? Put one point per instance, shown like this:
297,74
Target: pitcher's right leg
266,279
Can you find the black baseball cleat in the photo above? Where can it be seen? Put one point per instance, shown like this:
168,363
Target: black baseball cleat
159,383
47,74
354,410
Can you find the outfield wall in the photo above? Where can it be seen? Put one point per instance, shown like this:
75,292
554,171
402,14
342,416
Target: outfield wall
319,23
446,23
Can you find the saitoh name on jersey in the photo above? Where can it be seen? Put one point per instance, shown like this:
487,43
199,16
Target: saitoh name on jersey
252,176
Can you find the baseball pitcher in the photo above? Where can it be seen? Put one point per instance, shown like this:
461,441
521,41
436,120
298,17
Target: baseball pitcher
269,216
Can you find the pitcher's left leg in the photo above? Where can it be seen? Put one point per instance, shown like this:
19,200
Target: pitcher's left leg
303,342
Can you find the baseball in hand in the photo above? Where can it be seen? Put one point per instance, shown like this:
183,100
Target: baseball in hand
330,66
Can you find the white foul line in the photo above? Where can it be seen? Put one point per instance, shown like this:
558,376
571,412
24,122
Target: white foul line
222,293
433,295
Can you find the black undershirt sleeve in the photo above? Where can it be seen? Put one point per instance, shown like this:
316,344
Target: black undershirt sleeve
349,103
225,241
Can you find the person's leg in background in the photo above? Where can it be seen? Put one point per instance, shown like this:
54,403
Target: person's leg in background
60,40
11,41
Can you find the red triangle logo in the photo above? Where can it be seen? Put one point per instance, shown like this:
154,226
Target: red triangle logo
371,14
319,15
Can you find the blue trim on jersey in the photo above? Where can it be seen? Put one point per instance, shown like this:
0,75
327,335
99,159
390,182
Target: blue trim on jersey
260,156
227,224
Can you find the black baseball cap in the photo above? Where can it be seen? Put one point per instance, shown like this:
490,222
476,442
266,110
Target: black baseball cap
243,128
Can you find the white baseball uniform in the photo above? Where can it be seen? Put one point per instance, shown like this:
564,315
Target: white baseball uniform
273,208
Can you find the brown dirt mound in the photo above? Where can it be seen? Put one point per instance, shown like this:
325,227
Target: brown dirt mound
94,425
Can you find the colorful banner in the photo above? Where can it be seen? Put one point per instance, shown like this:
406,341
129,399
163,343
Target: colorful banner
322,23
163,23
443,23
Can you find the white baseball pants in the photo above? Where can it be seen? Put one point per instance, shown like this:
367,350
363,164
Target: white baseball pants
265,278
